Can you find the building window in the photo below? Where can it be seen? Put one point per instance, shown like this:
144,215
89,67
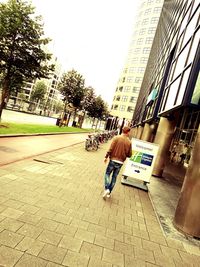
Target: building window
196,93
190,28
181,60
141,70
134,60
147,11
28,85
140,41
129,79
123,79
143,60
135,89
127,89
137,50
133,99
116,89
138,79
193,49
151,30
132,70
149,40
149,2
115,107
121,88
154,20
145,21
157,10
124,98
122,107
118,98
130,109
142,31
146,50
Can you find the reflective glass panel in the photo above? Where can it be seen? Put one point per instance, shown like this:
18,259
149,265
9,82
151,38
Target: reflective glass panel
190,28
196,93
193,49
183,86
172,94
181,60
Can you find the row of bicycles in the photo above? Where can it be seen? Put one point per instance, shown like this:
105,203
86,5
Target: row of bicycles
94,140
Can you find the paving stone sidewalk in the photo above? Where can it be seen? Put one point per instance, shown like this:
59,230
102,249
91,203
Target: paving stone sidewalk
52,214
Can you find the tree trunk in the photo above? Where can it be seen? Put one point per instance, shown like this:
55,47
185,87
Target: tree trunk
74,118
68,119
4,96
82,120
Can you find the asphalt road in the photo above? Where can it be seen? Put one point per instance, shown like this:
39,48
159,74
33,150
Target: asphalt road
17,148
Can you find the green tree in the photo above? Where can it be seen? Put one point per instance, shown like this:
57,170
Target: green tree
87,102
58,107
98,110
21,98
22,56
38,91
73,90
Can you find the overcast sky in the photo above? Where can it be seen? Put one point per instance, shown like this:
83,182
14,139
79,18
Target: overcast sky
91,36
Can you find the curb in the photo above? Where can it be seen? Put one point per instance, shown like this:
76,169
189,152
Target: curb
38,134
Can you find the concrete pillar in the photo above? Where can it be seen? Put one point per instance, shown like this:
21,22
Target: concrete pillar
163,138
147,132
187,213
139,132
133,132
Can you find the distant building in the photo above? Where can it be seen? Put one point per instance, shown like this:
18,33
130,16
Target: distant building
168,107
128,86
52,96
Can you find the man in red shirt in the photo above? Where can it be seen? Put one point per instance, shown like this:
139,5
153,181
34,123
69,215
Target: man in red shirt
119,150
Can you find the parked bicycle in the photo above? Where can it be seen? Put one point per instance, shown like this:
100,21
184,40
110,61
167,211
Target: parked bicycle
91,143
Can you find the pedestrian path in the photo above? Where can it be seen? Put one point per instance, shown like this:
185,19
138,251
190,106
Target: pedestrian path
52,214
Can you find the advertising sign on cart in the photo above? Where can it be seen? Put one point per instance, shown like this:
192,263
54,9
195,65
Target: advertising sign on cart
139,167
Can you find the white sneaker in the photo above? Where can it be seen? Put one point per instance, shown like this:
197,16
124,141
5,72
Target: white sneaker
106,193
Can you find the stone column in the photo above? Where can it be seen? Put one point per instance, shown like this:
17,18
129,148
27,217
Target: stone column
163,138
139,132
147,132
187,215
133,132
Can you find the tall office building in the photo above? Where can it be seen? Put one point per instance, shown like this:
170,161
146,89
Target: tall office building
128,86
168,107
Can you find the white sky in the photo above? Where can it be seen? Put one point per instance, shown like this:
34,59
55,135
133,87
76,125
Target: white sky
91,36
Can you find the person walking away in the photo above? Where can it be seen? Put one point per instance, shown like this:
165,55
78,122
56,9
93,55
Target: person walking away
184,153
119,150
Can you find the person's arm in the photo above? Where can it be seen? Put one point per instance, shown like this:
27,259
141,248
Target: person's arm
110,150
130,151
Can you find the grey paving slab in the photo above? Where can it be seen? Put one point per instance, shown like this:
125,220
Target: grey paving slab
54,215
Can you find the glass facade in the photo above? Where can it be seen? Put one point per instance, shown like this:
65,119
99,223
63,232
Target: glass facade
174,62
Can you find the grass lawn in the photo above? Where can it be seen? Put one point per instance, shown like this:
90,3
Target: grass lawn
18,128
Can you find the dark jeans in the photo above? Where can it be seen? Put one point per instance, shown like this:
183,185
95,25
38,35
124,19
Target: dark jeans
114,168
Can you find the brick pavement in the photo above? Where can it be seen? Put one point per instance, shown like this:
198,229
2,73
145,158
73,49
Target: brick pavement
52,214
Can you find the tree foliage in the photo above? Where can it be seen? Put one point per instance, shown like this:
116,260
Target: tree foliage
22,55
72,88
98,109
39,91
89,98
